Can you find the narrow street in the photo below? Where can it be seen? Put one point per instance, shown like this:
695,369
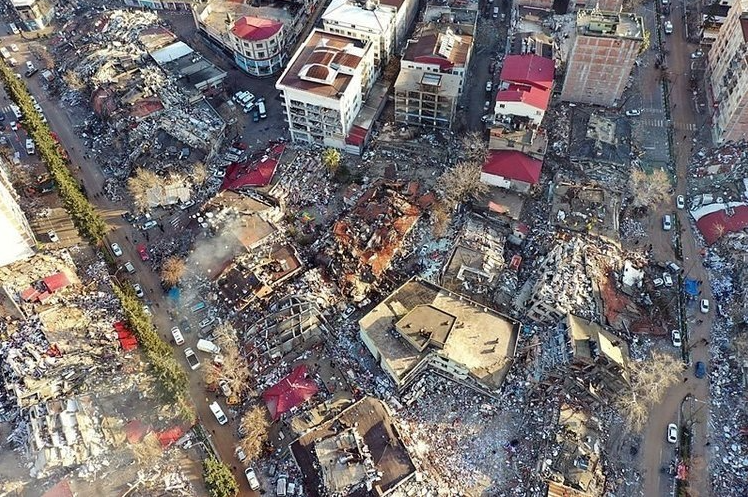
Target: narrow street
654,457
224,437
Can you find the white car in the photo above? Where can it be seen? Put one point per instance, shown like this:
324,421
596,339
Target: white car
150,224
138,290
147,310
667,222
633,112
672,433
116,250
207,322
697,54
192,359
488,86
219,173
668,28
14,47
178,337
348,311
704,306
680,202
676,338
53,236
667,279
226,391
14,126
254,483
239,453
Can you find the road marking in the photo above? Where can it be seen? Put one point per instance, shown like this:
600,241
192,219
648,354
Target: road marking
176,221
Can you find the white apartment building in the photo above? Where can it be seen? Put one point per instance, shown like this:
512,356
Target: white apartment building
324,86
728,76
18,239
372,21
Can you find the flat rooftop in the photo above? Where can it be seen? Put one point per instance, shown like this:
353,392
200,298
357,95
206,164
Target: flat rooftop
413,79
610,24
474,336
324,64
214,13
349,12
320,451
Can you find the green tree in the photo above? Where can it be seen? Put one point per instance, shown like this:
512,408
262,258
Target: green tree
219,480
331,159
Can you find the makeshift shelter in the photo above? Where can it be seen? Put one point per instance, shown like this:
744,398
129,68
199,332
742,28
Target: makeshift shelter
288,393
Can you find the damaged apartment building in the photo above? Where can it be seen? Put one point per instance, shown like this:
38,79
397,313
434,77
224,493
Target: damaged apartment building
146,84
567,281
590,360
574,463
367,238
434,65
422,328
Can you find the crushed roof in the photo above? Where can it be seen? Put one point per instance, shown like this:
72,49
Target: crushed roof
288,393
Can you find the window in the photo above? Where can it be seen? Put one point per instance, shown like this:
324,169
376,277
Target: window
261,54
502,106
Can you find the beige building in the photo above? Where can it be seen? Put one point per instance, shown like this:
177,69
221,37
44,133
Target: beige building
34,14
603,53
422,328
728,76
426,99
18,239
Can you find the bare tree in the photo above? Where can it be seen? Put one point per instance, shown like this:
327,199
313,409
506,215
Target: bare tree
234,369
649,189
138,185
172,270
254,427
441,218
462,183
199,173
475,147
649,381
719,230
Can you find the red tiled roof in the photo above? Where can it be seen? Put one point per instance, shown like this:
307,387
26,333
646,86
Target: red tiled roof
528,69
288,393
357,136
56,282
530,95
253,173
513,165
716,224
255,28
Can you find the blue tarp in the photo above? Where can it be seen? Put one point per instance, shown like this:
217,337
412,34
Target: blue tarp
691,287
174,294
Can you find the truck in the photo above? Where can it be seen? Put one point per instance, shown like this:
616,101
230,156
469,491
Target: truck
5,52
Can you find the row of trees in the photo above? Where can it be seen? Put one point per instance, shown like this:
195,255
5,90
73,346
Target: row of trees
219,480
88,221
174,381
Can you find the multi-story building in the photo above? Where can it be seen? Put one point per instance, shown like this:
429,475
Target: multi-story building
324,86
34,14
18,239
712,18
372,21
258,45
728,76
604,50
525,91
257,38
432,70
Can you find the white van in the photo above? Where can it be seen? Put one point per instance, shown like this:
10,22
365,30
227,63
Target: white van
16,111
218,413
261,110
280,488
208,346
30,147
178,337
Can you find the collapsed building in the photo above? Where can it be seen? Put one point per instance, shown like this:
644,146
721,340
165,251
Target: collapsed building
365,240
357,453
476,261
566,282
587,208
574,463
423,328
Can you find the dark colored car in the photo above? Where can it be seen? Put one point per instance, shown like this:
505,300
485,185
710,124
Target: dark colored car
256,116
700,370
185,326
128,217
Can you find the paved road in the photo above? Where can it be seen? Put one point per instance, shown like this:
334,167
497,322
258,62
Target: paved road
224,437
655,451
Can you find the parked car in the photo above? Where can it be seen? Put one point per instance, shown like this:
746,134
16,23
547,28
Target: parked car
672,433
254,483
138,290
150,224
128,217
143,252
488,86
697,54
14,47
53,236
186,205
680,202
348,311
633,112
673,267
218,413
667,222
129,267
14,126
240,455
700,370
207,322
178,337
704,306
658,282
192,359
668,28
676,338
226,391
667,279
147,310
116,250
219,173
486,105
